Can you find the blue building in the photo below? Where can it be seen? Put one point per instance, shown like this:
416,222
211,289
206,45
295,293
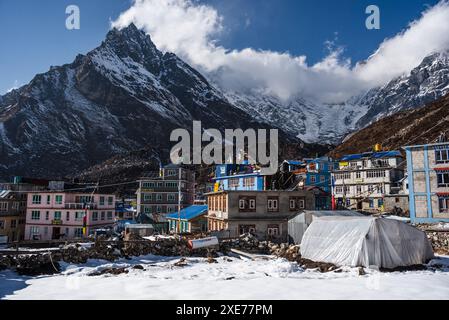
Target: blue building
244,177
193,219
428,180
315,172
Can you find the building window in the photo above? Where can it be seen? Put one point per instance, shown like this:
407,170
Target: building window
171,185
159,209
371,203
2,224
34,230
147,197
380,203
58,199
292,204
84,199
147,209
443,204
247,204
109,215
102,216
48,199
16,205
110,201
13,224
37,199
443,179
160,184
248,182
171,173
148,185
159,197
358,175
233,183
3,206
442,155
67,217
322,178
171,197
296,203
382,163
380,188
343,176
359,189
79,216
57,215
101,201
312,179
273,204
370,188
273,230
35,215
78,232
244,229
339,190
376,174
94,216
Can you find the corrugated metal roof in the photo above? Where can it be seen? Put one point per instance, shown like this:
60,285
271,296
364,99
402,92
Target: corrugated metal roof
294,162
4,193
189,213
339,213
238,176
375,155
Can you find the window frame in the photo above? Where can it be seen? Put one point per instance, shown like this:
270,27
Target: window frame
443,204
35,215
59,199
247,202
55,215
36,199
439,155
273,204
443,179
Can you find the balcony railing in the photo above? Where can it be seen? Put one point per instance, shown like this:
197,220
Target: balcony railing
80,206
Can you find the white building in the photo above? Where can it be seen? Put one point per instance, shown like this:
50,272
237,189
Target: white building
364,181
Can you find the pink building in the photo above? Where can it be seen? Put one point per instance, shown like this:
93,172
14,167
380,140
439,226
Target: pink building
60,215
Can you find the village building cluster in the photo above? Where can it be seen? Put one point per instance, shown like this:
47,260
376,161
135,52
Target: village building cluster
412,182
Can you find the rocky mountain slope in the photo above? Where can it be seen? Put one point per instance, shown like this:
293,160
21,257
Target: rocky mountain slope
426,83
122,96
330,123
417,126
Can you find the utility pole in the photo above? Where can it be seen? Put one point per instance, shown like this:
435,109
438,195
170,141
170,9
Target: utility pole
179,201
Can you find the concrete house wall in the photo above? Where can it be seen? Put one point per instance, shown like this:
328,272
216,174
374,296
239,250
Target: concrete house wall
425,193
225,212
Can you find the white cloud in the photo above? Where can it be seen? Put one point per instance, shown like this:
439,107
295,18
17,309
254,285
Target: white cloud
189,30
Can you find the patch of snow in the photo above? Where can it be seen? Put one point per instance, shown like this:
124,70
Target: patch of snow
229,279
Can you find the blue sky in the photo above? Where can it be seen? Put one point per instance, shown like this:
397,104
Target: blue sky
33,34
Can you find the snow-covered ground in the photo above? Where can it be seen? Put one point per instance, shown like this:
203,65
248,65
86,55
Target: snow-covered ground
230,278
